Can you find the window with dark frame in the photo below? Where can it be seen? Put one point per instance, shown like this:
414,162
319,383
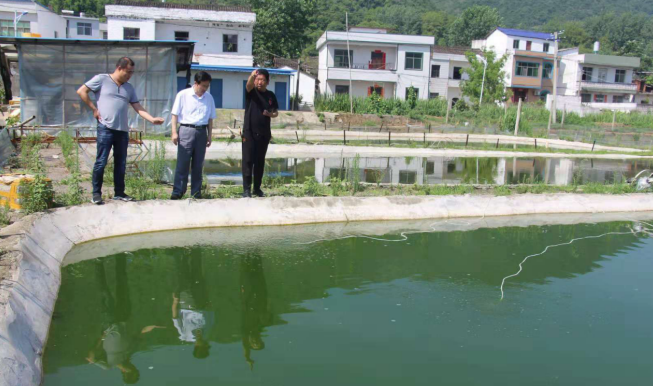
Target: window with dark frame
341,59
84,29
435,71
105,35
600,98
131,33
408,92
413,60
434,95
587,74
342,90
527,69
458,73
620,76
547,71
585,98
529,45
181,36
7,28
515,44
229,43
546,47
617,99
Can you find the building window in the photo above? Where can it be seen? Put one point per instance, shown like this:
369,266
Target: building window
378,90
603,75
342,90
529,45
341,59
56,34
585,98
617,99
229,43
515,44
546,47
181,36
527,69
434,95
600,98
7,28
414,60
458,73
620,76
84,29
131,33
414,89
435,71
547,70
407,177
105,35
587,74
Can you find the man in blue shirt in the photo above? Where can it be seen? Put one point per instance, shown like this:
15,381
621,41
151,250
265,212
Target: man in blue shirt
114,95
194,109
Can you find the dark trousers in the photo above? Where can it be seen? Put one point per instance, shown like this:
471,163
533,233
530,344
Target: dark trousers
107,139
190,154
254,161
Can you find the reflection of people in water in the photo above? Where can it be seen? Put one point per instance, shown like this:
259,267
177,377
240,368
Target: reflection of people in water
118,341
254,297
190,305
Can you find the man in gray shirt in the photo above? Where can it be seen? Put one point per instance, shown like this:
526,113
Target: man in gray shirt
114,95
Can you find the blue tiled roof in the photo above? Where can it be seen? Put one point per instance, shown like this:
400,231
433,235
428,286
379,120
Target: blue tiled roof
526,34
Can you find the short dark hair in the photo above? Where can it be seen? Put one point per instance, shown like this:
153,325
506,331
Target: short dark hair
202,76
124,62
265,73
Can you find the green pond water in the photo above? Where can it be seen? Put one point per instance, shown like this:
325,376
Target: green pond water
422,309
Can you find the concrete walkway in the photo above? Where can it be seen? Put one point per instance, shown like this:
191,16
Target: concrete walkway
42,242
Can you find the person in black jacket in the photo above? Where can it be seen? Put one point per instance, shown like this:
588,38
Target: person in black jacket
260,106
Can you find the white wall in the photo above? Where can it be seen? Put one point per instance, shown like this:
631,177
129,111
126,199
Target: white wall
359,88
322,72
208,37
232,86
72,28
362,55
306,87
48,23
115,28
416,78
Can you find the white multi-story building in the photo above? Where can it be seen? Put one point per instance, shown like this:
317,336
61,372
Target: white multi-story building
529,68
447,64
384,63
223,43
83,27
592,81
32,19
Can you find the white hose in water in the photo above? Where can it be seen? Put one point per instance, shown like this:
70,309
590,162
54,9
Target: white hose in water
638,229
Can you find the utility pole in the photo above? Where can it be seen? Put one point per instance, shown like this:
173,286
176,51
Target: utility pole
480,100
351,90
555,77
299,69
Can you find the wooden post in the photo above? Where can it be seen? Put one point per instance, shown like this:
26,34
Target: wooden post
389,132
593,145
614,118
518,117
497,144
446,120
429,128
536,143
344,137
424,137
325,124
381,128
299,68
297,135
467,140
348,126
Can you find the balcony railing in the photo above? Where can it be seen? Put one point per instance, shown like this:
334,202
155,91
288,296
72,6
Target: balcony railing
367,66
608,86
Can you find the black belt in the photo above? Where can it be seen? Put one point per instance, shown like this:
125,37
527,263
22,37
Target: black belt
199,127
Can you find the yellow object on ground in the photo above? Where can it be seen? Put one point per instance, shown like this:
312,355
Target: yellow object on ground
10,189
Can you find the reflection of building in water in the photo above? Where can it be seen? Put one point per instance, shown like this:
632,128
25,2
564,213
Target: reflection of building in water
604,171
228,171
406,170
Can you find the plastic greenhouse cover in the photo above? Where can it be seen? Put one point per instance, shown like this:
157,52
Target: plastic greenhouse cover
50,76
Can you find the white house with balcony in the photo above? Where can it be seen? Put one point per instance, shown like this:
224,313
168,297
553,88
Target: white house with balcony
596,82
447,64
32,19
529,68
223,43
377,62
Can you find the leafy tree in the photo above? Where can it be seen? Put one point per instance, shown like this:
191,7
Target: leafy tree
474,23
494,88
436,24
280,28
